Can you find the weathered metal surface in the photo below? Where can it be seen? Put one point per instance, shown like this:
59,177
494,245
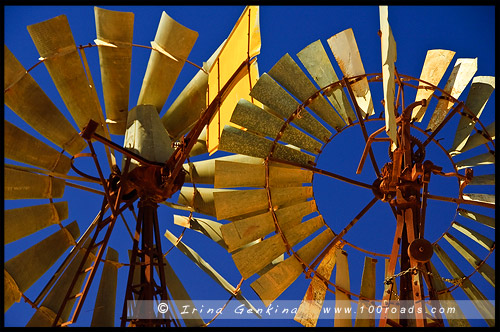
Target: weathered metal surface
481,302
27,267
477,139
435,64
346,52
486,198
342,300
457,318
271,284
233,174
21,146
271,94
312,303
25,97
233,203
116,28
477,237
485,270
207,227
392,296
482,159
45,317
209,270
363,317
317,63
104,307
54,41
480,91
21,185
486,179
259,121
252,259
389,56
462,73
243,231
200,147
23,221
242,142
485,220
202,200
162,71
289,75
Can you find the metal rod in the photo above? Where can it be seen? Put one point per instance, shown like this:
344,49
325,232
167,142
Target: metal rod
460,201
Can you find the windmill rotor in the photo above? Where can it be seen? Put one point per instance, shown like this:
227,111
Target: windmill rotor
238,154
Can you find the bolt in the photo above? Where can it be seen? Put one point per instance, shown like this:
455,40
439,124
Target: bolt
421,249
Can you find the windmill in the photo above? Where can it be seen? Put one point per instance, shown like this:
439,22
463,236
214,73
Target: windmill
299,120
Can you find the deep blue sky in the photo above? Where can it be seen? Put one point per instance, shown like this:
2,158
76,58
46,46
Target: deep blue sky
467,30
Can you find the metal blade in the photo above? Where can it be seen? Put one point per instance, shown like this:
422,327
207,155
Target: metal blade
25,185
342,300
485,198
485,220
21,146
363,317
317,63
480,91
480,239
486,179
480,138
201,200
25,97
271,94
459,78
54,41
209,228
171,47
200,147
482,159
114,32
289,75
346,52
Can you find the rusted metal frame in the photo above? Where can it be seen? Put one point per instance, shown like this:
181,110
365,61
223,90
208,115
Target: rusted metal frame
337,238
364,250
460,201
347,84
159,257
368,145
73,167
423,210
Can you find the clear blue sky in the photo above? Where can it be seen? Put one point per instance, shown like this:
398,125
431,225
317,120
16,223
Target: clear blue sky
467,30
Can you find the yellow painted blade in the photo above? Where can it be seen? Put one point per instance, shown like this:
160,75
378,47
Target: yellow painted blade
368,286
171,47
389,56
114,36
200,147
435,64
25,97
480,218
54,41
21,222
479,238
201,200
462,73
207,227
105,301
21,146
25,185
346,52
480,91
342,300
317,63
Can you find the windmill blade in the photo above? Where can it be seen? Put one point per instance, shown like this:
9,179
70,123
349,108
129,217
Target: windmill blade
243,231
252,259
209,228
460,77
482,159
201,200
25,97
457,318
20,185
346,52
171,47
342,300
271,94
21,146
363,317
257,120
54,41
114,32
274,282
485,220
243,142
317,63
310,307
480,301
389,56
480,91
233,174
472,234
229,204
209,270
289,75
480,138
486,179
485,270
484,198
23,270
24,221
200,147
46,312
105,302
435,64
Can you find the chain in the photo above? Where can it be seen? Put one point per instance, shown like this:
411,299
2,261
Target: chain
456,281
